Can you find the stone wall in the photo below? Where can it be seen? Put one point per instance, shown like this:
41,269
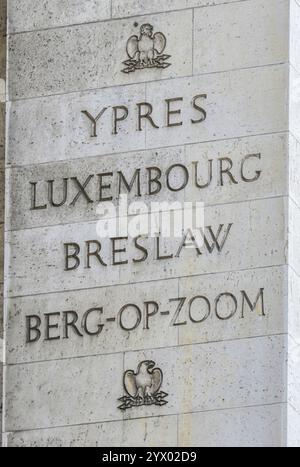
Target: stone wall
221,323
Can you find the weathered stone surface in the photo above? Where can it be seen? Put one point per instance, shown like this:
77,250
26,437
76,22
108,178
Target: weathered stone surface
198,429
90,56
258,171
37,259
149,432
132,7
230,316
232,26
248,427
241,382
57,129
2,185
28,15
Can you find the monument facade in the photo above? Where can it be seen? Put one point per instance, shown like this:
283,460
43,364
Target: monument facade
152,340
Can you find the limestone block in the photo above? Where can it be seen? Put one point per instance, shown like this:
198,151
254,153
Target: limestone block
28,15
294,236
91,56
58,130
2,190
266,289
294,169
216,307
208,383
238,112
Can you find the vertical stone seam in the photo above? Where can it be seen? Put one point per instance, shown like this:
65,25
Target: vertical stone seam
193,39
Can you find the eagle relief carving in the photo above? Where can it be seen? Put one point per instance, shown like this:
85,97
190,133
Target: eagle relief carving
143,387
146,50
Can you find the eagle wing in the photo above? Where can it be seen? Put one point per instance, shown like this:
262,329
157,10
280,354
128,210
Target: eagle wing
160,42
130,383
157,379
132,46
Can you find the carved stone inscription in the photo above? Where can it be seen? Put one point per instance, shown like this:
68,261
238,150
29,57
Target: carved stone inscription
89,255
146,50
